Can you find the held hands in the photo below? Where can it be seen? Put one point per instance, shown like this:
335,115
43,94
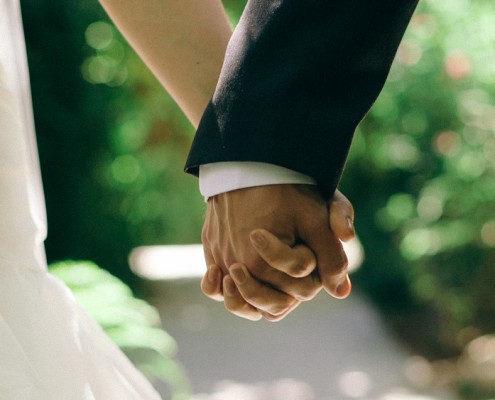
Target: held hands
262,245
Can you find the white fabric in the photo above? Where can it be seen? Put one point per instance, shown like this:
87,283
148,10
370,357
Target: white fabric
49,348
223,177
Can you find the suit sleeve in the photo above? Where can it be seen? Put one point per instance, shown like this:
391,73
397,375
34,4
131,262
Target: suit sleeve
298,77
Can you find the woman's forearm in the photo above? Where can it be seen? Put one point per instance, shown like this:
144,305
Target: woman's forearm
183,42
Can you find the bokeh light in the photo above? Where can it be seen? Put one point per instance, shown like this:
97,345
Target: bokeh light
355,384
99,35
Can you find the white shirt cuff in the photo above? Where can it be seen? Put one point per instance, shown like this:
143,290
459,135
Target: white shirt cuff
224,177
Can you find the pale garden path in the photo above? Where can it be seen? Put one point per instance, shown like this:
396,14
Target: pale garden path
324,350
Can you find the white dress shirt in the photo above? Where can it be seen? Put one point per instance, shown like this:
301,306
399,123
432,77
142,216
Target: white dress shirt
224,177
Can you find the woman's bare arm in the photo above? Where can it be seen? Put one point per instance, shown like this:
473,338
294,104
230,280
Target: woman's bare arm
183,42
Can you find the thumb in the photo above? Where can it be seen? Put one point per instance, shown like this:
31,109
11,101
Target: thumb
341,217
331,258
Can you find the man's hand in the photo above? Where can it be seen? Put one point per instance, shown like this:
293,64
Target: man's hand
259,240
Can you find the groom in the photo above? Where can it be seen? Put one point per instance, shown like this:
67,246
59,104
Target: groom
297,78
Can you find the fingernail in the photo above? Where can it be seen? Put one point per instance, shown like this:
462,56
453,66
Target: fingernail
238,274
258,239
213,274
229,287
343,289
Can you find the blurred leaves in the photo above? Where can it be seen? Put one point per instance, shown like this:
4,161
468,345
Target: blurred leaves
422,177
112,142
131,323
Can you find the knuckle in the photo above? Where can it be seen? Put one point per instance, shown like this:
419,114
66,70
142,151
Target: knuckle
278,313
300,269
308,293
257,300
282,308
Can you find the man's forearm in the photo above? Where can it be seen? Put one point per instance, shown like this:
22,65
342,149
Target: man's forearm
183,42
297,79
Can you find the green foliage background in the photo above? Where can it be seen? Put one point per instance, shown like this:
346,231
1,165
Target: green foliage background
112,143
420,174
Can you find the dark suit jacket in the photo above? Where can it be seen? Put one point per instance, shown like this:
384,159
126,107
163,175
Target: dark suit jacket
298,77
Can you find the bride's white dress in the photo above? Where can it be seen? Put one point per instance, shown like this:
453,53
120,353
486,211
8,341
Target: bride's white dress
49,348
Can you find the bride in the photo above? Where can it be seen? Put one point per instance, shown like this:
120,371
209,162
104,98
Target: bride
49,348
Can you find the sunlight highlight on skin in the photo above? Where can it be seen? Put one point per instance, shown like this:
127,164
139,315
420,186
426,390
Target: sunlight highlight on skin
170,262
